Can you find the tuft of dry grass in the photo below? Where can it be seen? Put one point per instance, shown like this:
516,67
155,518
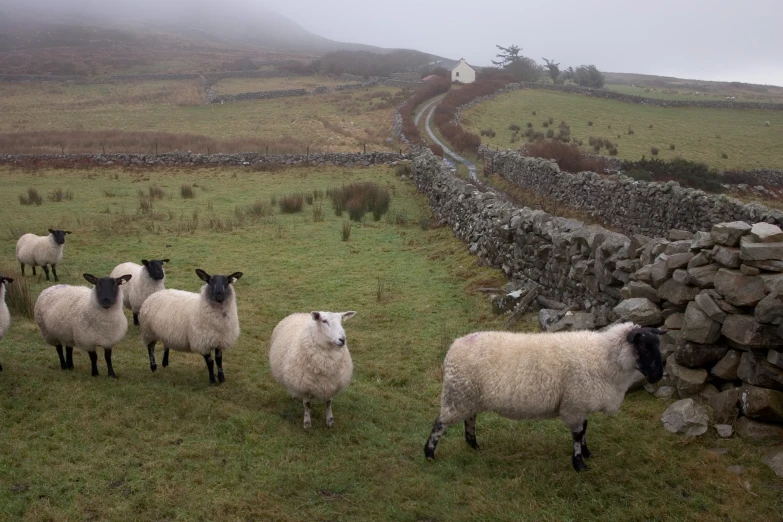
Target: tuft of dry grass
31,198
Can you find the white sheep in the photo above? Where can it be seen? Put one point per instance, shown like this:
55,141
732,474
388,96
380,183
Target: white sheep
41,251
309,356
766,123
148,278
83,317
545,375
5,316
193,322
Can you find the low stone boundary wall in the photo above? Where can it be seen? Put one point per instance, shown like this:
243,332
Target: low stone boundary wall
346,159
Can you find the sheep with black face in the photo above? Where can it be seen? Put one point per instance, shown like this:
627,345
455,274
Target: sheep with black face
5,315
82,317
193,322
545,375
41,251
148,278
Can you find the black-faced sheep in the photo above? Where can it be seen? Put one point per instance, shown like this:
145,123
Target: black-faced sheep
309,356
41,251
148,278
5,315
190,322
540,376
83,317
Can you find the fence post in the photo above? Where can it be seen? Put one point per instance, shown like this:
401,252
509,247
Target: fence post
365,148
156,148
308,151
267,150
207,151
62,149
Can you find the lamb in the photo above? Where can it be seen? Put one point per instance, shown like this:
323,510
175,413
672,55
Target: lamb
5,316
545,375
190,322
309,356
41,251
83,317
148,278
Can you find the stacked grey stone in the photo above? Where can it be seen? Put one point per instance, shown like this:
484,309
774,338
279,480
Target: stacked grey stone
635,207
344,159
260,95
720,296
584,266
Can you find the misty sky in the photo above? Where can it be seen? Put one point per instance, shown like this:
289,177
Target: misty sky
701,39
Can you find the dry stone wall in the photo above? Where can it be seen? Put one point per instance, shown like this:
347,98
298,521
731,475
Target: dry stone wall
188,159
720,296
635,207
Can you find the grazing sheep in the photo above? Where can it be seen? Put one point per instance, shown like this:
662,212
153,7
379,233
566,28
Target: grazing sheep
41,251
309,356
190,322
148,278
5,316
540,376
766,123
83,317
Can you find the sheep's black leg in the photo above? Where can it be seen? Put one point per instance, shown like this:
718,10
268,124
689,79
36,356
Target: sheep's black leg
46,271
22,269
34,270
107,356
135,319
219,363
470,432
585,451
59,348
1,367
576,459
151,352
165,356
69,357
437,432
94,362
307,423
54,272
211,368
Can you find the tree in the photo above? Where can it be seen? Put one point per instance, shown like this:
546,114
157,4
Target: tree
554,70
589,76
524,69
508,55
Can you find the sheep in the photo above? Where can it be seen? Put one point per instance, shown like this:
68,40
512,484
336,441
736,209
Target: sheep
545,375
309,355
5,316
190,322
148,278
766,123
83,317
41,251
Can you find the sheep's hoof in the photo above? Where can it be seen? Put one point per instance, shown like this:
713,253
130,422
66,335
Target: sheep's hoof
578,463
585,452
429,453
153,367
330,422
307,424
113,376
221,377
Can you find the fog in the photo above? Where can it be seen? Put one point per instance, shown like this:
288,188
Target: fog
699,39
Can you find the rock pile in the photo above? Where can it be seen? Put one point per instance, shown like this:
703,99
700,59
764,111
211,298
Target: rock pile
720,296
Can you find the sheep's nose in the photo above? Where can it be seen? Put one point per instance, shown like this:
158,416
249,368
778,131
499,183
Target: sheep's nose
341,341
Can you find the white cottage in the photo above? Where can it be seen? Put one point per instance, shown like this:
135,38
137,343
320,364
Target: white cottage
463,73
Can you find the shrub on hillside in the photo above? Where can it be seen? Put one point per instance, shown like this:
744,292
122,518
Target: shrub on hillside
568,157
436,149
687,173
360,198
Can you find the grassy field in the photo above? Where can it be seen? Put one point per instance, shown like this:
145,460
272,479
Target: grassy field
697,134
167,446
238,85
337,122
668,93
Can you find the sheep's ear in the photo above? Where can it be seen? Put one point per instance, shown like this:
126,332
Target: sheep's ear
90,278
316,316
348,315
123,279
202,275
51,231
145,262
634,336
6,279
658,331
234,277
164,261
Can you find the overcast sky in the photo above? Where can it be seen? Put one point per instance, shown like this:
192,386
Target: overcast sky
701,39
